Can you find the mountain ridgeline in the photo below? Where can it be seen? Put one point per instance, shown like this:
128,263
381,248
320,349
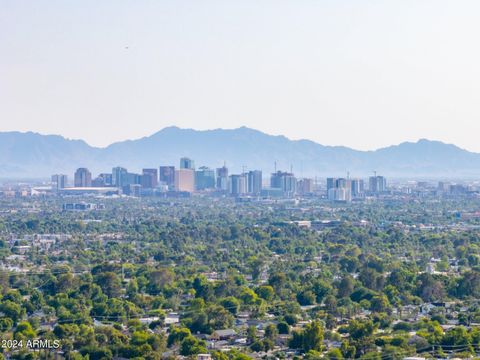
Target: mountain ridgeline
31,155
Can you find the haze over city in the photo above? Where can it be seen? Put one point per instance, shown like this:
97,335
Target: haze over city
363,74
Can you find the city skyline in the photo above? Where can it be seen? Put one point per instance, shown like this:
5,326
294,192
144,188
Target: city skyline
251,185
28,155
189,179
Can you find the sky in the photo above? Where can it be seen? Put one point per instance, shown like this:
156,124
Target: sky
360,73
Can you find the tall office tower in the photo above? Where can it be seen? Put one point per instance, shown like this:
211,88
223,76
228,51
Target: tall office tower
340,194
442,186
339,189
377,184
149,178
204,178
83,178
59,181
222,178
284,181
372,184
187,163
238,184
331,183
102,180
132,179
119,175
358,187
342,183
185,180
107,179
305,186
290,184
276,180
167,176
382,183
254,182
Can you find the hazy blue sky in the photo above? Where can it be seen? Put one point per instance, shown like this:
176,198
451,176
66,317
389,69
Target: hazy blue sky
359,73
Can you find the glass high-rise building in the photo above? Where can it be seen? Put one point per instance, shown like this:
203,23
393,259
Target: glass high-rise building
331,183
204,178
83,178
357,187
119,175
377,184
59,181
284,181
222,178
149,178
167,176
238,184
187,163
254,182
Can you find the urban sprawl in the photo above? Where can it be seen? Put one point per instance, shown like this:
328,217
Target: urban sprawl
186,263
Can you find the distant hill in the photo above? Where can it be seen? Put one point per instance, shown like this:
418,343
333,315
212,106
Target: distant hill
31,155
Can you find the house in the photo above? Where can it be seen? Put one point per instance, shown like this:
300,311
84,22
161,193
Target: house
241,341
148,320
242,318
217,345
243,315
46,327
332,344
223,334
204,357
97,323
39,314
172,318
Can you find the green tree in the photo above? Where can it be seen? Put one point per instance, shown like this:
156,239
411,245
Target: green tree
177,334
110,283
24,330
345,287
266,292
191,346
283,327
231,304
334,354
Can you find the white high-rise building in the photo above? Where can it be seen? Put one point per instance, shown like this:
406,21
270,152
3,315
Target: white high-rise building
238,184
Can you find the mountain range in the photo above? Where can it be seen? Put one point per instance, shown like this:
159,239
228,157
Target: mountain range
32,155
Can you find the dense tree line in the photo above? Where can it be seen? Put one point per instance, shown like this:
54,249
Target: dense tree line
141,259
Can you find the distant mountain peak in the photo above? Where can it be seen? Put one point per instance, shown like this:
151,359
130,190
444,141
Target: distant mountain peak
32,154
